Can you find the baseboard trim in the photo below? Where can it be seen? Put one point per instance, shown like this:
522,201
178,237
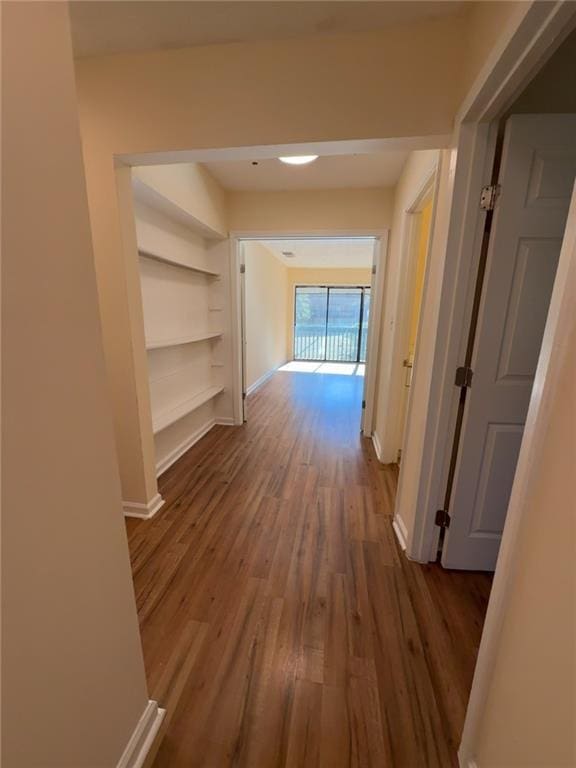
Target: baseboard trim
400,531
143,737
377,446
181,449
143,511
226,421
263,379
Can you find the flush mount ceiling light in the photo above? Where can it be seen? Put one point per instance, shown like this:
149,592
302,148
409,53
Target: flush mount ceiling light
298,159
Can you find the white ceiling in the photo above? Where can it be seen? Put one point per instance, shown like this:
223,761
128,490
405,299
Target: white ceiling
118,26
381,169
324,253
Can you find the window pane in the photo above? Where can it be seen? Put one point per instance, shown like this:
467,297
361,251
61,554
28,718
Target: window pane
310,323
365,318
343,324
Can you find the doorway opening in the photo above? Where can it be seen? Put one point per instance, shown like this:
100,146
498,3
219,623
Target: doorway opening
306,305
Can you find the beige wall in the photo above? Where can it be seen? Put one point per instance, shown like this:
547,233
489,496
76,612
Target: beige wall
530,711
266,312
488,22
308,211
230,95
419,167
73,676
191,187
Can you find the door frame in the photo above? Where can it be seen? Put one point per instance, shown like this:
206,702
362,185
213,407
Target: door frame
512,64
377,292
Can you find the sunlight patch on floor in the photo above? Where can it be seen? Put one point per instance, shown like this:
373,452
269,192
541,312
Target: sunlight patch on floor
342,369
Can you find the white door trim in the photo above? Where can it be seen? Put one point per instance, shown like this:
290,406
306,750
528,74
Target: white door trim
561,318
143,738
377,285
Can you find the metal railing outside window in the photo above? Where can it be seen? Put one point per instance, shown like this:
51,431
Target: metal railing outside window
331,323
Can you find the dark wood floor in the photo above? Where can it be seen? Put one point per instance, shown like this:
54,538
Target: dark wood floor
281,624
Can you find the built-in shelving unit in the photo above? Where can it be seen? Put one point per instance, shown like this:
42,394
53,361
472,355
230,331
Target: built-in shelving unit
192,339
165,419
152,198
182,298
176,263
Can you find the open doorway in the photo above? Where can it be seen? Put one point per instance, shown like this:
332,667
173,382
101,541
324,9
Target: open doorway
306,306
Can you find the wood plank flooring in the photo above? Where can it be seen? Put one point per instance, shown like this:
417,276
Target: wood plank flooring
281,625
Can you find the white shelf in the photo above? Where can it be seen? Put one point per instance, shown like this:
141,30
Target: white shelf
167,418
151,197
192,339
176,263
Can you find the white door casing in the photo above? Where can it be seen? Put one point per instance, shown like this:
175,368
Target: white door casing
374,323
243,339
238,298
536,178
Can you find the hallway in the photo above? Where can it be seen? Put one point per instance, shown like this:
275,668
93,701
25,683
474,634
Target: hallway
280,623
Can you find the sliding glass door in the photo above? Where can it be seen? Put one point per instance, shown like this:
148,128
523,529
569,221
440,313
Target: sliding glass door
331,323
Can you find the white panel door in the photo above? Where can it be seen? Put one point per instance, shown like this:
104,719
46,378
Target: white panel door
536,177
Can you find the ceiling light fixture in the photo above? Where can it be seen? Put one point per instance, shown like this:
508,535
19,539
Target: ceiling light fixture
298,159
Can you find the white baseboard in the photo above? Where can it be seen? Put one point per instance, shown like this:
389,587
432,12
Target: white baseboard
264,378
227,421
181,449
377,446
400,531
142,737
144,511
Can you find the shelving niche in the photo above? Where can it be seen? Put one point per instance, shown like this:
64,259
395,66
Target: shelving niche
181,290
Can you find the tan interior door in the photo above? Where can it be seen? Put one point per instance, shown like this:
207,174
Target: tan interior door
536,179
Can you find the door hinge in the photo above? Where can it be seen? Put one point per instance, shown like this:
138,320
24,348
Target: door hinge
243,395
464,376
488,197
373,269
363,404
242,268
442,519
